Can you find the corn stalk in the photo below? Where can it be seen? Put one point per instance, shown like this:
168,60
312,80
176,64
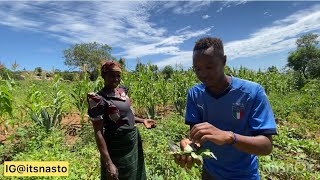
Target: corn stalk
47,116
6,101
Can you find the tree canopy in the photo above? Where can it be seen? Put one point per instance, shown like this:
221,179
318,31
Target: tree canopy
306,59
90,54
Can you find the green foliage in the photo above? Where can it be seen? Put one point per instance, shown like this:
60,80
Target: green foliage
14,66
38,71
307,40
182,81
306,58
37,145
272,69
5,73
191,150
47,115
294,100
145,94
90,54
6,103
167,71
122,62
6,97
79,94
159,164
70,76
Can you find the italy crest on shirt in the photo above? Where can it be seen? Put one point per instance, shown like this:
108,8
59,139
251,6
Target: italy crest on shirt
237,110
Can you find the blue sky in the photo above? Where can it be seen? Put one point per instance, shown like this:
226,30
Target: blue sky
256,34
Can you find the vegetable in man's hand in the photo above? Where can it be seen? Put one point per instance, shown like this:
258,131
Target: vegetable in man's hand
196,152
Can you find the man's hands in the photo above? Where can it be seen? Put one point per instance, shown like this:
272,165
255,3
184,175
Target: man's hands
149,123
199,134
112,172
206,132
185,160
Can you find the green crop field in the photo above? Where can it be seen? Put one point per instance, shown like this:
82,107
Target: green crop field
34,116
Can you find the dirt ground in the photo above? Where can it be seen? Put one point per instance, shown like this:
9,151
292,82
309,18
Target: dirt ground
70,124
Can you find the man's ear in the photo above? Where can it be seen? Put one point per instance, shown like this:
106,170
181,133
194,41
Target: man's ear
224,60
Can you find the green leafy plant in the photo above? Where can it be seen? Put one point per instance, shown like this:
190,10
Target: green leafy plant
6,100
48,116
193,150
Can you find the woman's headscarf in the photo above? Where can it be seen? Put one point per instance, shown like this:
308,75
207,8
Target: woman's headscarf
110,66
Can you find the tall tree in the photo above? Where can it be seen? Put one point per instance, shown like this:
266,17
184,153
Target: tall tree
167,71
307,40
122,62
154,68
305,59
90,54
38,71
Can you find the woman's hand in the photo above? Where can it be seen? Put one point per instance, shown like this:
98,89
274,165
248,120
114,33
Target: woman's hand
149,123
112,172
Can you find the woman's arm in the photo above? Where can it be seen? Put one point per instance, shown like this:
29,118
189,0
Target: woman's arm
112,171
101,143
148,123
138,120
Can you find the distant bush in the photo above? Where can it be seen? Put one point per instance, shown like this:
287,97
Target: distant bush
67,76
5,73
71,76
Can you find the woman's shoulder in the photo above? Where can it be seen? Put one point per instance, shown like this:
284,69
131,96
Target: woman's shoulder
124,89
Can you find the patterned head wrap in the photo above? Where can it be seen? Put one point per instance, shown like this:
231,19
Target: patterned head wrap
110,66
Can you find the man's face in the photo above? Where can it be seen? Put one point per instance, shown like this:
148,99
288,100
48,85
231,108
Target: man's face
209,69
112,79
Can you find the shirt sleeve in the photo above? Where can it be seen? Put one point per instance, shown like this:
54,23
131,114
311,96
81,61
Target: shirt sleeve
96,106
192,116
262,120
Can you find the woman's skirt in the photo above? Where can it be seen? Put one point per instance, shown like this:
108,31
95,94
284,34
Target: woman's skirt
126,153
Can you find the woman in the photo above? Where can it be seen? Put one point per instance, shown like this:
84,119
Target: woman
117,138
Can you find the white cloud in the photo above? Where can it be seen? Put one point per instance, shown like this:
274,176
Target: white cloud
279,37
182,29
183,7
189,7
205,16
230,3
266,13
181,58
119,24
219,10
113,23
127,25
168,45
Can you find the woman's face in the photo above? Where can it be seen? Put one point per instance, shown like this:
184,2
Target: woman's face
112,79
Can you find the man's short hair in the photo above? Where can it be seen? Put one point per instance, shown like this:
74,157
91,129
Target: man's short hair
205,43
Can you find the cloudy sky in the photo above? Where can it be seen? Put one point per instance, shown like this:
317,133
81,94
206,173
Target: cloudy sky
256,34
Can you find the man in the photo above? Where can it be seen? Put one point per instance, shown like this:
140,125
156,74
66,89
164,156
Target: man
230,116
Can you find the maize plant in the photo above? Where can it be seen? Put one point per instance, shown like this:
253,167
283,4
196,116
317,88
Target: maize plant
146,91
48,116
143,92
79,94
182,81
270,81
164,89
6,100
34,102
